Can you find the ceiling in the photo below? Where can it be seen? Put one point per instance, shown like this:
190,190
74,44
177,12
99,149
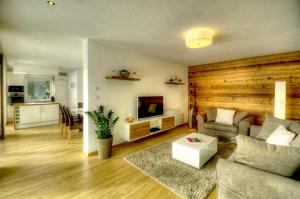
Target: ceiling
154,27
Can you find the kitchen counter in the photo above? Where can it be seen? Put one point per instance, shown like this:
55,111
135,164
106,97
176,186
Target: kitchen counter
32,114
34,103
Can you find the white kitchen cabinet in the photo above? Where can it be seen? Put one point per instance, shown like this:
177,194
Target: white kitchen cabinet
29,114
36,114
49,112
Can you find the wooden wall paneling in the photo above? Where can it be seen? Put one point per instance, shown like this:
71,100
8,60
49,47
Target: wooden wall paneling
248,84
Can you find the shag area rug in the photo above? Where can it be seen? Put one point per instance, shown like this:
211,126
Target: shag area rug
186,181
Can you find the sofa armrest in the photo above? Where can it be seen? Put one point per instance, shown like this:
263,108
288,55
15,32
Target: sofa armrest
240,181
201,118
244,125
254,130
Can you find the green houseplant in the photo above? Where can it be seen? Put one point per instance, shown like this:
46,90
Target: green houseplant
104,124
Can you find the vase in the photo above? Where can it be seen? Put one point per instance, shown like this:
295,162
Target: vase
104,147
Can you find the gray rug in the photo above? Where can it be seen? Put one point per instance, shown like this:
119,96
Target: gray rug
186,181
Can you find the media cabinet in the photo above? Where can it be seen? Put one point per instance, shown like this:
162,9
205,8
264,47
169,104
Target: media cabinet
140,129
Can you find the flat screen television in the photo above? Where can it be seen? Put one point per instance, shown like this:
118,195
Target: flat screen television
150,106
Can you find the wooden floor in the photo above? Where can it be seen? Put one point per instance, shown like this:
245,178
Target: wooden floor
38,163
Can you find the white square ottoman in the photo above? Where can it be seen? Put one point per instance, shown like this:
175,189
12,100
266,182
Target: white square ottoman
195,154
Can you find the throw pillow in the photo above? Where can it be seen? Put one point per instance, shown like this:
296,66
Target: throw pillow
225,116
282,160
281,136
270,124
295,128
211,114
239,115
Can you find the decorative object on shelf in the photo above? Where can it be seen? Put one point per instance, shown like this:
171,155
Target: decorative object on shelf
115,72
121,78
134,75
175,80
124,73
130,118
104,124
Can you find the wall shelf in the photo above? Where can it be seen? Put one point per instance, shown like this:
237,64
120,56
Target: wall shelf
122,78
175,83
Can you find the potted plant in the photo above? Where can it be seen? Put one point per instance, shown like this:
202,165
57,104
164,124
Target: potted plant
104,123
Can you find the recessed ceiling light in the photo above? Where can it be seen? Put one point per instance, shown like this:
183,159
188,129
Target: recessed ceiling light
38,40
32,54
51,3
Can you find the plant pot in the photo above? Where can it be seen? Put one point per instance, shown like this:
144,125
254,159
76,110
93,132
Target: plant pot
104,148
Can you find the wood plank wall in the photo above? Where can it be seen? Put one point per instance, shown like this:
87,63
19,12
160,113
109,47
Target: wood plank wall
248,84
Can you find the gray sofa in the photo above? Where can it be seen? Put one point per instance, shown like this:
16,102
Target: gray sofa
207,125
258,178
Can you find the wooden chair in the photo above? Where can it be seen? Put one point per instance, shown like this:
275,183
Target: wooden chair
80,105
66,124
75,123
62,120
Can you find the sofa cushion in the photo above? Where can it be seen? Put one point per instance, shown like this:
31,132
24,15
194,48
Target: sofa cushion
295,128
225,116
211,114
221,127
282,160
221,135
238,116
271,123
281,136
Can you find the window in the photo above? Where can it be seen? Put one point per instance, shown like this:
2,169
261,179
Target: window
38,89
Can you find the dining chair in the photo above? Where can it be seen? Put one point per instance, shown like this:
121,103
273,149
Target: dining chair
80,105
66,124
75,123
62,118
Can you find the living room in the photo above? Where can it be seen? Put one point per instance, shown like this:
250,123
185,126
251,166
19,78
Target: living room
181,99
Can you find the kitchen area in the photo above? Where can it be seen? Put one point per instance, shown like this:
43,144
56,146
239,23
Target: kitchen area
34,94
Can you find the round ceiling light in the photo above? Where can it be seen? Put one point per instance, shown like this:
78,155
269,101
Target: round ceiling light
199,38
38,40
51,3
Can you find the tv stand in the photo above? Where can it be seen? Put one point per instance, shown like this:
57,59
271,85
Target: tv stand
146,127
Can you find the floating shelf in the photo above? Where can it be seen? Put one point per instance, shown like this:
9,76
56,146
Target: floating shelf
175,83
122,78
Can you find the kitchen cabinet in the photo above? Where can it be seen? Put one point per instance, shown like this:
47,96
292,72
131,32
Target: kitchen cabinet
30,114
35,114
49,112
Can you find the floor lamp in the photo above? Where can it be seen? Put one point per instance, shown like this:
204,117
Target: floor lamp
280,99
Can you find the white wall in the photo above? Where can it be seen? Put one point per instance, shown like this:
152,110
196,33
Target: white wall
72,89
121,96
79,73
33,69
75,87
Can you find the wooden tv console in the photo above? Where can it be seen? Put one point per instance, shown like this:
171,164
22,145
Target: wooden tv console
139,129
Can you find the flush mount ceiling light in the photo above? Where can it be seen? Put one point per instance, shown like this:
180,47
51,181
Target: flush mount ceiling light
38,40
199,38
51,3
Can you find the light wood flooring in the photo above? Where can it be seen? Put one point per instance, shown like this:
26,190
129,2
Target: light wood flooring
38,163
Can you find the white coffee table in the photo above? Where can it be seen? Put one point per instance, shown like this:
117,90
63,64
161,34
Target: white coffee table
195,154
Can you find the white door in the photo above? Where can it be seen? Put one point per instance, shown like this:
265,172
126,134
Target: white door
61,91
49,112
29,114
